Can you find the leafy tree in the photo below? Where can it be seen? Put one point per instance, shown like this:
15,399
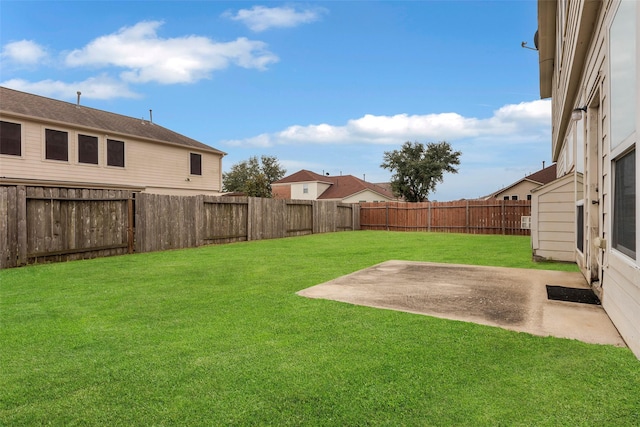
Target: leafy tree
418,168
253,177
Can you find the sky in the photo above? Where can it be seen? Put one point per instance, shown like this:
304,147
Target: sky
324,86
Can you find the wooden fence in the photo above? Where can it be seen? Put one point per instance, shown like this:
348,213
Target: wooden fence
465,216
40,224
172,222
45,224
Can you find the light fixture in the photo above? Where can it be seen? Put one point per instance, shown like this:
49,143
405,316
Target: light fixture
576,114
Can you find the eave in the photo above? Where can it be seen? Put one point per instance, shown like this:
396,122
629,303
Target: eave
546,45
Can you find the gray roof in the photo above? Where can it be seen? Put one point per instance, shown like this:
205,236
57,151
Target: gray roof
39,107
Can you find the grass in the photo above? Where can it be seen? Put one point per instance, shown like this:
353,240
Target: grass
217,336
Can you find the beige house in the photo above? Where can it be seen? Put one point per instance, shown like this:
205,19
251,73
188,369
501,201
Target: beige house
589,52
521,190
49,142
307,185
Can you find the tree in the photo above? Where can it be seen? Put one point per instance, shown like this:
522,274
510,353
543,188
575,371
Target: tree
418,168
253,177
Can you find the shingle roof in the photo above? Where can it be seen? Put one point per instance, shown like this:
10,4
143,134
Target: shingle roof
348,185
304,176
35,106
544,176
341,186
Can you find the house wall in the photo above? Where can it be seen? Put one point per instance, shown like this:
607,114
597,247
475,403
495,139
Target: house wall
365,196
553,225
314,190
521,189
157,167
281,191
583,78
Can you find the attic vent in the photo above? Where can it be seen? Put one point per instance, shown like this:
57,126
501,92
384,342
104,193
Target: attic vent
525,222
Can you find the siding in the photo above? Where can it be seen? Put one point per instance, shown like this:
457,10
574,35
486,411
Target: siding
158,166
522,190
586,83
553,222
621,299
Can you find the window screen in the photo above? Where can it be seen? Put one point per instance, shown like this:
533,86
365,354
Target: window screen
56,145
10,138
88,149
196,164
624,205
115,153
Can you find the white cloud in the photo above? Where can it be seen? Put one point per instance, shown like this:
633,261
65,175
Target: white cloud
261,18
24,52
101,87
150,58
515,122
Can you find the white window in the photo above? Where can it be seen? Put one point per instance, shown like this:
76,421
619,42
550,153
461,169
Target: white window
623,81
623,73
624,204
305,188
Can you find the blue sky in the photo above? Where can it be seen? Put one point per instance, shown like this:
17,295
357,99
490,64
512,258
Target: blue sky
324,86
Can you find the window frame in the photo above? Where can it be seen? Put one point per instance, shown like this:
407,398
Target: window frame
192,157
580,226
47,131
97,149
20,143
109,162
620,145
631,253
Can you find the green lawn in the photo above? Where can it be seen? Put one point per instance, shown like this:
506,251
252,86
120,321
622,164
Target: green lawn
217,336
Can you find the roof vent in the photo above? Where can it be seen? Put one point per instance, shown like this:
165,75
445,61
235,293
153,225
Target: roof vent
150,116
79,93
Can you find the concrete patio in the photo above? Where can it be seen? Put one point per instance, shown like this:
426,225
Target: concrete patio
509,298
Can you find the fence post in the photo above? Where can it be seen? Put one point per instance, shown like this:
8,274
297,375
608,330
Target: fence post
502,218
467,217
130,234
429,216
250,209
22,224
386,220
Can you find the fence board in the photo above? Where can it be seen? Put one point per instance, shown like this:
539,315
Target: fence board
300,217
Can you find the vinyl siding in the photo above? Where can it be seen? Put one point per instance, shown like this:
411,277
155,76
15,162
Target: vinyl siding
587,83
553,210
147,164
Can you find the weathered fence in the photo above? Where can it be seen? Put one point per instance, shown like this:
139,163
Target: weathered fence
172,222
465,216
46,224
41,224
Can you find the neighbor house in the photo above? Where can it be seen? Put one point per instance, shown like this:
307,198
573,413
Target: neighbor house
588,53
307,185
49,142
521,189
